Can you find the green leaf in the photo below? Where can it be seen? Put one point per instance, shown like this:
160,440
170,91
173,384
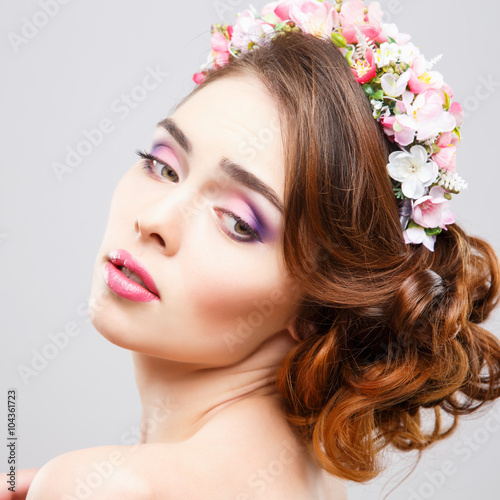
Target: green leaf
398,192
391,39
379,95
348,57
433,231
457,131
368,89
435,148
447,101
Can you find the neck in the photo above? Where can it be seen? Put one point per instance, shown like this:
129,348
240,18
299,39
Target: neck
179,398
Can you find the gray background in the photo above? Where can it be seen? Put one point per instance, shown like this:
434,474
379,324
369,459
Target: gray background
65,80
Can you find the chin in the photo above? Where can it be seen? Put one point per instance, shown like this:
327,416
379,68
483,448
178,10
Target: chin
105,315
109,327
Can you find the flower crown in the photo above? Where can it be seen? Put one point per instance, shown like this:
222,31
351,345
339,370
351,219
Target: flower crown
412,103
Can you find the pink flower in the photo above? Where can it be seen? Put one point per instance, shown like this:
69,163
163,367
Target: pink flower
446,157
317,18
396,132
424,115
421,79
403,135
388,124
199,77
248,30
352,16
280,9
365,69
457,112
433,210
417,235
220,48
219,42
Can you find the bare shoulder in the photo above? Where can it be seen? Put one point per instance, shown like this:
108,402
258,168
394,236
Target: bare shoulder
246,452
103,472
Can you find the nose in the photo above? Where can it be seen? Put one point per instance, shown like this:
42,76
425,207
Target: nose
159,224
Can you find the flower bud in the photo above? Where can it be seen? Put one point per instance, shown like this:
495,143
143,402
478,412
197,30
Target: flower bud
338,40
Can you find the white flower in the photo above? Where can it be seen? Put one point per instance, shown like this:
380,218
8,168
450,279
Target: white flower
408,53
386,53
395,87
391,30
452,181
417,235
413,169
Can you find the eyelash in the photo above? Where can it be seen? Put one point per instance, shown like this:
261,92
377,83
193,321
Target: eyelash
149,158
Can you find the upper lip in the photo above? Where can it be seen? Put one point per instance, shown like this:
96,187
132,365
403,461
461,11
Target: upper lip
121,257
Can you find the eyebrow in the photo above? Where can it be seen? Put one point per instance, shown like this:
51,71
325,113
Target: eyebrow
230,168
170,126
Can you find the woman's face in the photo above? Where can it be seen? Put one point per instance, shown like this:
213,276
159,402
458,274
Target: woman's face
222,288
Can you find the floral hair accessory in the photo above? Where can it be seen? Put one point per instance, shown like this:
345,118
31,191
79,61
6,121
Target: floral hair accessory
413,105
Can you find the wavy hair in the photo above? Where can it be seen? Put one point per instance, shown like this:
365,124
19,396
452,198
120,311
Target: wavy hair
386,329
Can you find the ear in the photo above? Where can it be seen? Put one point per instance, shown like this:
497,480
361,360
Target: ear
291,329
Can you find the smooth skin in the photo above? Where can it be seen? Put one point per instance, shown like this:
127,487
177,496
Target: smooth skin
206,354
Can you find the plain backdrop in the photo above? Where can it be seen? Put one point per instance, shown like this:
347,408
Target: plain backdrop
62,75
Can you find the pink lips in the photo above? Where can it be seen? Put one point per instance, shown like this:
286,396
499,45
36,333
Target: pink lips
123,285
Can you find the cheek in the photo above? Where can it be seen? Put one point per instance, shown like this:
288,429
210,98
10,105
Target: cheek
235,307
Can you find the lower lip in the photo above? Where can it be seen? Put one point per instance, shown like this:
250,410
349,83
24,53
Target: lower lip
125,287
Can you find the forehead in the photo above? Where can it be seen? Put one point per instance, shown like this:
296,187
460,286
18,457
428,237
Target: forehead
236,100
235,117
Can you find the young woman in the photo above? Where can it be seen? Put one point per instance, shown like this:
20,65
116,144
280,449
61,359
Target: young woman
290,280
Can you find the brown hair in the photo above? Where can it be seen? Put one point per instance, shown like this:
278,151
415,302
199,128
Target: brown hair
387,329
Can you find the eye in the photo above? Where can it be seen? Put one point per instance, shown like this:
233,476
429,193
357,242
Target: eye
243,231
157,168
163,172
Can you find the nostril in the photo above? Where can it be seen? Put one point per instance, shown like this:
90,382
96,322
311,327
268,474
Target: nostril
159,238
